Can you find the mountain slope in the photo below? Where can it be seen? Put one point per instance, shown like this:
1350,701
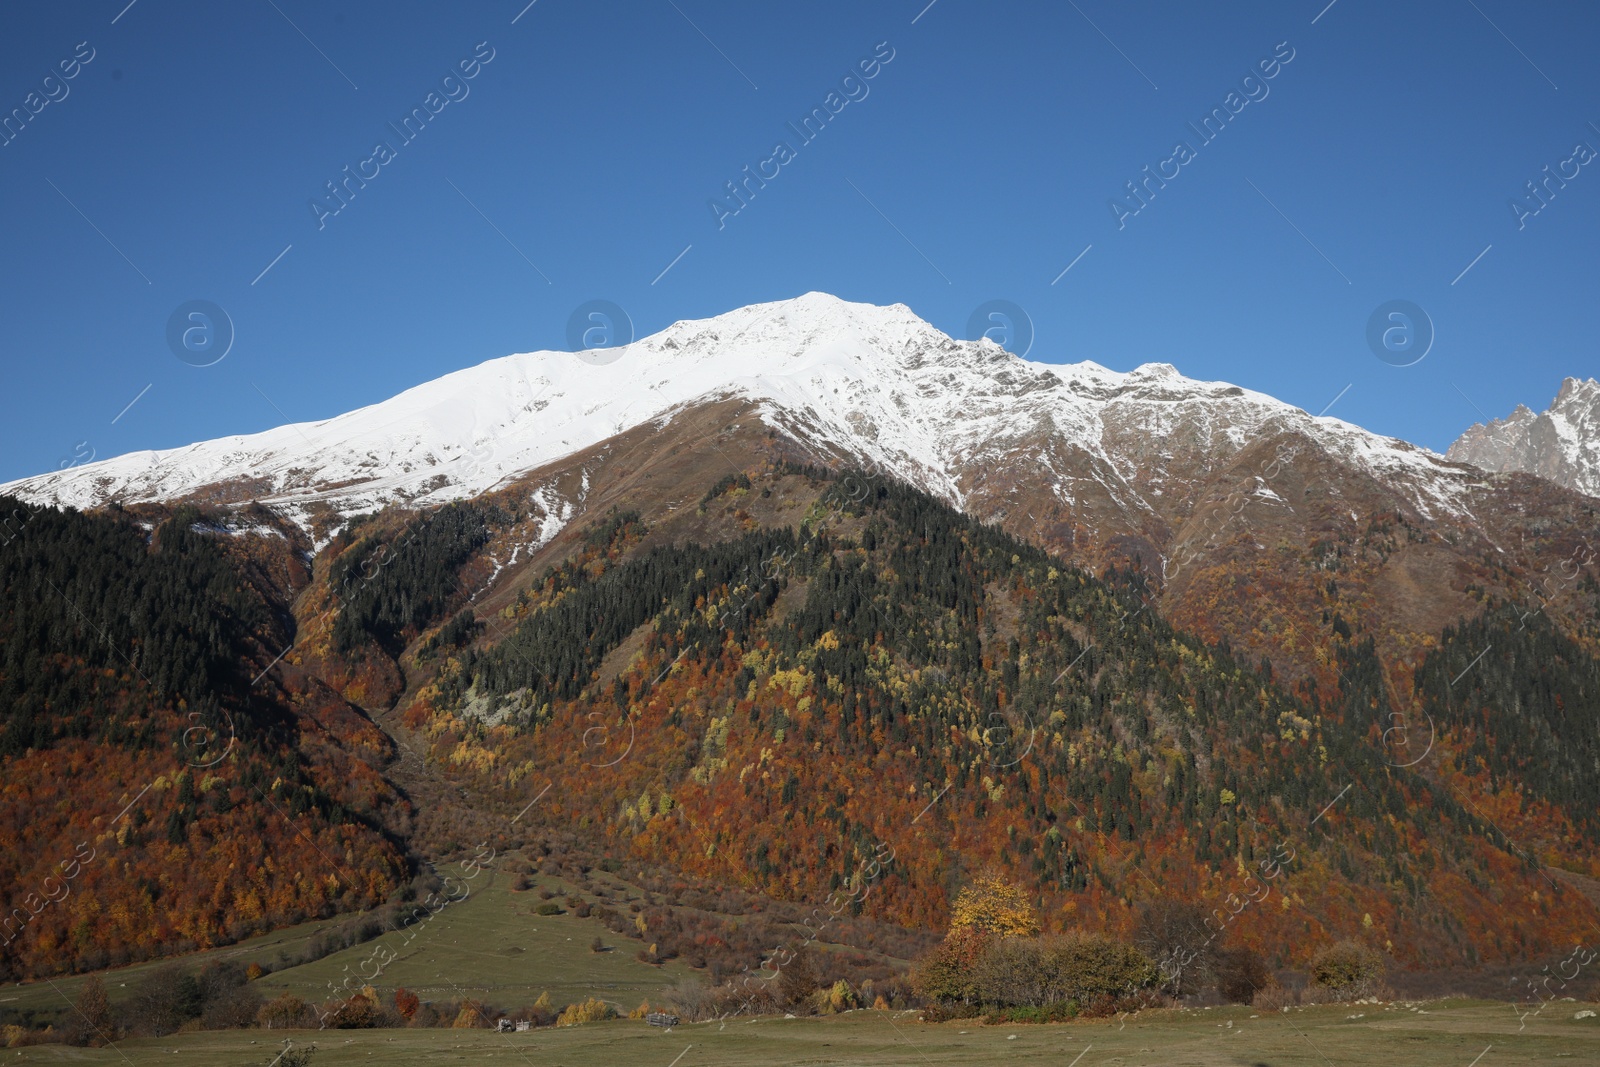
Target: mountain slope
1562,443
158,792
889,677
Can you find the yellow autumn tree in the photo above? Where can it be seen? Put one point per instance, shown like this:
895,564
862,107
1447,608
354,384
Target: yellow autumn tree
995,906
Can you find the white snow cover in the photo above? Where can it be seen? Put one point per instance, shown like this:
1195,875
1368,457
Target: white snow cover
876,382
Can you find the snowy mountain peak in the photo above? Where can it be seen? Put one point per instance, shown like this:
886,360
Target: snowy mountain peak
1561,444
878,384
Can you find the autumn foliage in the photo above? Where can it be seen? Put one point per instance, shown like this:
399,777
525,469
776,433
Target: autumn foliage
994,906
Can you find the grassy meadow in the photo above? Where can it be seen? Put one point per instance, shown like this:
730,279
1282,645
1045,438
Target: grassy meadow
1436,1034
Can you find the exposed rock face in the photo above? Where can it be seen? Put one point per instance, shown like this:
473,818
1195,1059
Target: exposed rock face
1561,443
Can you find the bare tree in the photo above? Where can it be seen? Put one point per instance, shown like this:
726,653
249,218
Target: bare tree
91,1022
1174,935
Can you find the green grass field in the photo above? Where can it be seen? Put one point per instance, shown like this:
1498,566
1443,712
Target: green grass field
1449,1034
489,946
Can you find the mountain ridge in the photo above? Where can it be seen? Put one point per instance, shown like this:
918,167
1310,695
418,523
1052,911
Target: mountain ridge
876,385
1561,443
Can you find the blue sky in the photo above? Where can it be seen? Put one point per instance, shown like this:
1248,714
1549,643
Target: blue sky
1377,164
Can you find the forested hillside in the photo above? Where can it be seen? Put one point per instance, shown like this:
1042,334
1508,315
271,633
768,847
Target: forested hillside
790,705
158,790
802,685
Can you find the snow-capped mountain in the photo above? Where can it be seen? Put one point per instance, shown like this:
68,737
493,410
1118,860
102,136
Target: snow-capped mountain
1561,444
875,384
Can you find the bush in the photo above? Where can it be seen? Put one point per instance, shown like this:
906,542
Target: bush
548,908
539,1013
1348,970
358,1013
946,975
1014,971
835,998
233,1008
1274,998
693,999
287,1012
166,999
294,1057
406,1003
1059,1012
1082,968
592,1010
1241,974
943,1013
798,979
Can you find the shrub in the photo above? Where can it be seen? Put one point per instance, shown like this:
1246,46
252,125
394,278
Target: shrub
166,999
592,1010
836,998
548,908
1014,971
520,883
357,1013
1058,1012
232,1008
471,1016
943,1013
597,945
406,1003
798,979
1349,970
294,1057
539,1013
1274,998
1241,974
287,1012
946,975
1318,994
1082,968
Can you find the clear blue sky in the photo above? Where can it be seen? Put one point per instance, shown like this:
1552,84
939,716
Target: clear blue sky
979,163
